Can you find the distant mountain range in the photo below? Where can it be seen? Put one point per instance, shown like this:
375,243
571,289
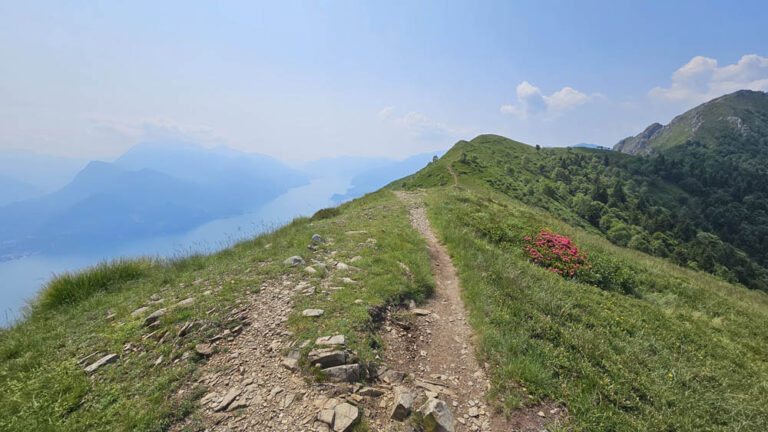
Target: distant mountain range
25,174
155,189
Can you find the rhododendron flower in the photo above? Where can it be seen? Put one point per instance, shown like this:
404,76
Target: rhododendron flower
556,252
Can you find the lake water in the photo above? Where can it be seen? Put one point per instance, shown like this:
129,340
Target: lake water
20,279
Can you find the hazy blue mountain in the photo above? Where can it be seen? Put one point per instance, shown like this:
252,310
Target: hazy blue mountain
217,167
154,189
384,173
12,190
44,172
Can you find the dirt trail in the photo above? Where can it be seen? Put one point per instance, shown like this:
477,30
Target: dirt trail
439,349
453,174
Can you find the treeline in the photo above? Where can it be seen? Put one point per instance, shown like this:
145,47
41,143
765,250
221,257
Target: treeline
700,207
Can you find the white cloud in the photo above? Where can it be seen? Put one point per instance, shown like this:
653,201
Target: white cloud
531,101
386,112
701,79
421,126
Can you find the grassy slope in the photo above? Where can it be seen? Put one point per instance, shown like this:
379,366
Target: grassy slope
685,352
45,389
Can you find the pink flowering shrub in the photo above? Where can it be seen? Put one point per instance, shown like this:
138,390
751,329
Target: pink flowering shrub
557,253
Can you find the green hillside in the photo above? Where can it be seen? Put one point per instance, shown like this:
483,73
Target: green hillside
644,203
628,342
718,154
639,344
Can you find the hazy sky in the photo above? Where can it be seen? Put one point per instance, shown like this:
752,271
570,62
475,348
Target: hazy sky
300,80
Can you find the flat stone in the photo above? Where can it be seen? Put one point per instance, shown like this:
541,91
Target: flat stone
420,312
344,373
392,376
402,406
154,316
342,266
370,392
346,416
312,312
239,403
294,261
139,311
107,359
186,302
339,340
326,416
356,232
310,270
472,412
290,364
438,412
228,398
327,357
204,349
355,258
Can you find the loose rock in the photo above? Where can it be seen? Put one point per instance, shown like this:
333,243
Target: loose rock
294,261
344,373
402,406
346,416
439,413
327,357
312,312
317,239
204,349
186,302
228,398
139,311
109,358
339,340
326,416
154,316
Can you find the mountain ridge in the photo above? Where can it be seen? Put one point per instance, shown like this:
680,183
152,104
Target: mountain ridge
741,113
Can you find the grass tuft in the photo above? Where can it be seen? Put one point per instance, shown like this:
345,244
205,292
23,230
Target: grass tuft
71,288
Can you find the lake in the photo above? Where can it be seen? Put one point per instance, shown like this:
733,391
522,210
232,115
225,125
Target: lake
20,279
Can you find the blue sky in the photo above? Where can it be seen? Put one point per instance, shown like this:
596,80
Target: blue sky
300,80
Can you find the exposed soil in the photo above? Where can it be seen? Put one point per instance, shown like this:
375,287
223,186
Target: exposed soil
437,349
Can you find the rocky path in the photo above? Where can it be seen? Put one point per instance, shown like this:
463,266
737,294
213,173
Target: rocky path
436,347
253,382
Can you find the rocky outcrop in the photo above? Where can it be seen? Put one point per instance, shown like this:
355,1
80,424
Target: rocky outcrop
640,144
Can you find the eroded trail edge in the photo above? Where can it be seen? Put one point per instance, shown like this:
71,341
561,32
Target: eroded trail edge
437,349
